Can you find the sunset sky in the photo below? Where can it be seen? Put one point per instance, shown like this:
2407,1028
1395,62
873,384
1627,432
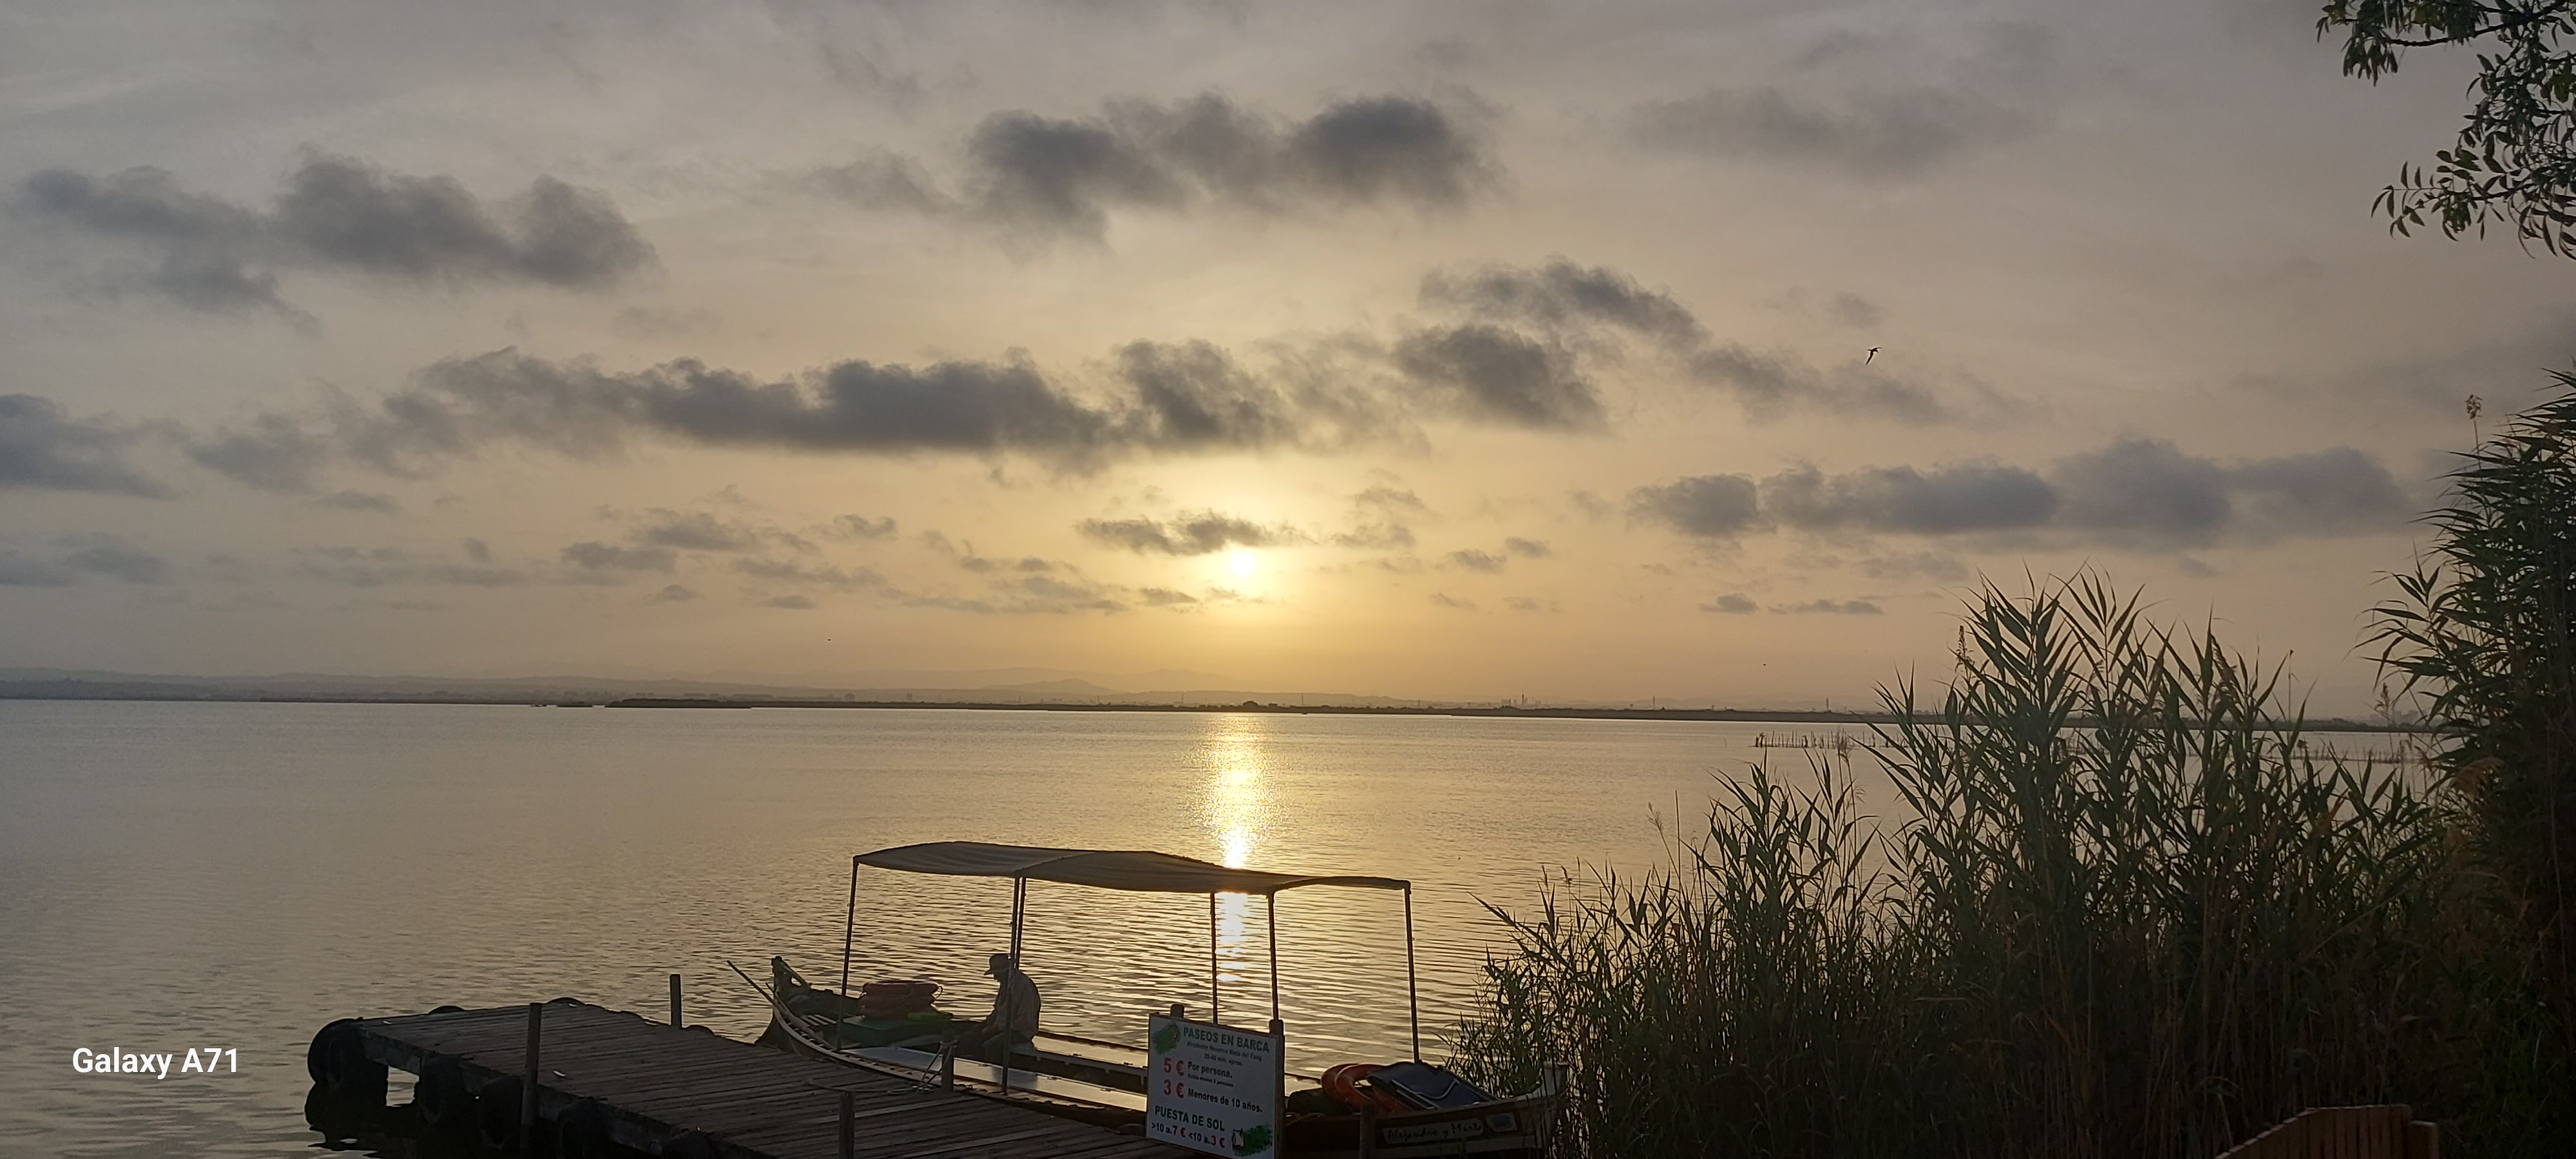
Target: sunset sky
1455,350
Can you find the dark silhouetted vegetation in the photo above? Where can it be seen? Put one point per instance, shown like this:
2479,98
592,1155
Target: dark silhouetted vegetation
2123,907
2515,161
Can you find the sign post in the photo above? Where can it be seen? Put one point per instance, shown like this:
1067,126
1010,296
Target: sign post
1214,1088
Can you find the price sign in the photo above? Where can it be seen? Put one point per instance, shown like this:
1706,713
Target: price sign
1214,1088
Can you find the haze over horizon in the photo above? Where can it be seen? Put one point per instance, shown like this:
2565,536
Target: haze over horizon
1436,351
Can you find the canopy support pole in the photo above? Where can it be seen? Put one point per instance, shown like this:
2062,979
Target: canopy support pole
1213,1014
1270,912
1019,910
852,928
1412,989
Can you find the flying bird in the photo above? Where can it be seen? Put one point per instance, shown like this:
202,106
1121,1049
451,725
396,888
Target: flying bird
1873,354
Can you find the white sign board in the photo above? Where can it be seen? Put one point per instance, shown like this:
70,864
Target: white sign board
1214,1088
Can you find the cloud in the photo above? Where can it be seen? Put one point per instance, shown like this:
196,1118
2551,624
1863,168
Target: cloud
1876,136
1375,537
1873,129
368,501
2131,492
792,603
1203,533
816,575
1445,600
698,531
1478,561
1527,548
1192,396
1038,178
860,527
1830,608
41,449
603,560
1582,308
275,454
1704,506
1562,296
1770,385
672,594
1165,598
77,556
1499,376
1945,500
1732,604
339,214
394,566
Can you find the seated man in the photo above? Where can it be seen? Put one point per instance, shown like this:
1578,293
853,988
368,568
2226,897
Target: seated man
1014,1020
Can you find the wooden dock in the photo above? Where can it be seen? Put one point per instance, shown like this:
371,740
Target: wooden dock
663,1090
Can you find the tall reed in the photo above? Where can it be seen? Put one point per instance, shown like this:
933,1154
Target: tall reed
2128,912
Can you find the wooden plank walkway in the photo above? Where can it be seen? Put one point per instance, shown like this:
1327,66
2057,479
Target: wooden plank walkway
656,1081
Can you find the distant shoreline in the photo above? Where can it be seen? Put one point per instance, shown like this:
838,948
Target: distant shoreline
1530,712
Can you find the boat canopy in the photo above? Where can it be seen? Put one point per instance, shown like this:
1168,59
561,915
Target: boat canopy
1138,870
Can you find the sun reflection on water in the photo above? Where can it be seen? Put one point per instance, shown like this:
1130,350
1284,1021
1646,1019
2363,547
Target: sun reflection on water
1236,813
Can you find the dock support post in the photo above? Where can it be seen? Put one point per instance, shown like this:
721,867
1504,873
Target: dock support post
849,1126
528,1093
675,1000
1215,1015
1368,1130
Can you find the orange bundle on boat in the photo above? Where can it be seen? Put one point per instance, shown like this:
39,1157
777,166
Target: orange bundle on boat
897,998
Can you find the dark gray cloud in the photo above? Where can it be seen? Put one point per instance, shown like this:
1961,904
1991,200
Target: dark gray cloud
1038,177
2131,492
74,558
1473,559
791,603
1499,376
1942,501
1203,533
1580,308
394,566
699,531
1704,506
612,561
672,594
1871,135
368,501
1527,548
275,454
1165,598
1829,608
816,575
1192,396
43,449
341,214
1732,604
1563,296
1770,385
1445,600
1866,110
861,527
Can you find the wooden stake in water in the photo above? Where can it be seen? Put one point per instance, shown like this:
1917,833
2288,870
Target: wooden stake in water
849,1126
528,1096
675,1000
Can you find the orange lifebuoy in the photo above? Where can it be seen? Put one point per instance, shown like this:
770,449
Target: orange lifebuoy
1342,1083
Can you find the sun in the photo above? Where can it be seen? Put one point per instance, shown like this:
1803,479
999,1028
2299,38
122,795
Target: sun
1242,564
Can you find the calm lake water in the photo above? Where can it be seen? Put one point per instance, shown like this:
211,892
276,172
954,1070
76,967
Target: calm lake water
236,875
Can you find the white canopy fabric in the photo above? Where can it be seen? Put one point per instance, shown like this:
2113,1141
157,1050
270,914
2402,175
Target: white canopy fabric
1137,870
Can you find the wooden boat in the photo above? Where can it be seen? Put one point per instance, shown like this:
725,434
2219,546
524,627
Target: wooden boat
1401,1111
